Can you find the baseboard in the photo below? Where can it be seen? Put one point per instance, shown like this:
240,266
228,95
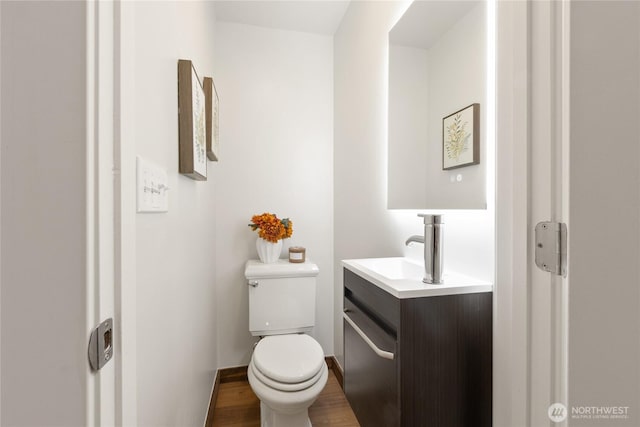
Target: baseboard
332,363
208,422
225,375
239,373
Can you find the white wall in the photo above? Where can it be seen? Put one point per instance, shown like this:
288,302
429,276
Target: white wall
363,225
176,251
276,124
43,274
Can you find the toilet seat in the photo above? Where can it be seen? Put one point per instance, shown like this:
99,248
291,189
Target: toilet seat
288,362
277,385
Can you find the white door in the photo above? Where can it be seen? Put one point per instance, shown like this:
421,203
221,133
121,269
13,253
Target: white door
60,249
585,171
603,207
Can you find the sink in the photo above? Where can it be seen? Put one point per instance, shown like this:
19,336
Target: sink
394,268
402,277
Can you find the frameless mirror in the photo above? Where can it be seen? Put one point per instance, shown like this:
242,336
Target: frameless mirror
437,106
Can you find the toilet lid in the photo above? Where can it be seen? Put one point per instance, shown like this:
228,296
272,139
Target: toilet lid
288,358
290,387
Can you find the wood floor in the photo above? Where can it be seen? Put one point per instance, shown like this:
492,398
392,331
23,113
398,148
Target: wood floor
237,406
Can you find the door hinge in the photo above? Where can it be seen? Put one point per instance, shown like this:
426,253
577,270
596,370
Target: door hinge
101,345
551,247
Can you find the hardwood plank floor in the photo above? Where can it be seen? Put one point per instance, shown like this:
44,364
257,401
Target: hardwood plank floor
238,406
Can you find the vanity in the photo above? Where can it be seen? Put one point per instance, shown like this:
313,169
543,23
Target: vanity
420,353
416,354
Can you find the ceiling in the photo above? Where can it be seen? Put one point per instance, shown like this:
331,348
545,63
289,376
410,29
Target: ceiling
425,21
311,16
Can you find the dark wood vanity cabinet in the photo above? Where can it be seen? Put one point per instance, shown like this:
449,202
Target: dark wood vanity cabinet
440,375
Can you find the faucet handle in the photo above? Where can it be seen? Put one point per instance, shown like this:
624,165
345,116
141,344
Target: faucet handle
431,219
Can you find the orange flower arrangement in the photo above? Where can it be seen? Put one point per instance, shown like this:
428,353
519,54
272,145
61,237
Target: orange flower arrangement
271,228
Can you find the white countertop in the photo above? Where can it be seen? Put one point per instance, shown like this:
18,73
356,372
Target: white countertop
402,278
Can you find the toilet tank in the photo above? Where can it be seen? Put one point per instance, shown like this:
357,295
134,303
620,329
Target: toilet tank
282,297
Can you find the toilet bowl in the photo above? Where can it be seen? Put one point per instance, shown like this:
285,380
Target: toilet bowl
287,373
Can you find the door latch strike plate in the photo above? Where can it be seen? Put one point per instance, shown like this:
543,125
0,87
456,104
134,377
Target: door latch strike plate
551,247
101,345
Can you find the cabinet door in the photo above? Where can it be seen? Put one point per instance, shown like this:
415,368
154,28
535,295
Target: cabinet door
370,381
446,347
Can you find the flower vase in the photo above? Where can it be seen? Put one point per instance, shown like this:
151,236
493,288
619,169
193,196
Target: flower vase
268,252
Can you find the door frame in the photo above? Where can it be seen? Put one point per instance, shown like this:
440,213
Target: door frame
530,340
111,238
100,269
125,208
512,316
511,358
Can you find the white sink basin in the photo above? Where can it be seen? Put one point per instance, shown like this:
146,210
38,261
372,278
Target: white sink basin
402,277
393,268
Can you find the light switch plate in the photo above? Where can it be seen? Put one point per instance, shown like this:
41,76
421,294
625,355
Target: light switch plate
152,187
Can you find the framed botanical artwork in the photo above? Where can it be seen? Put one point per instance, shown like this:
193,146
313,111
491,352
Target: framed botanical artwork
212,105
461,138
191,123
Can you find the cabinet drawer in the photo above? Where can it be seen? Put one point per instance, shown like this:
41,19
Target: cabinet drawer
382,307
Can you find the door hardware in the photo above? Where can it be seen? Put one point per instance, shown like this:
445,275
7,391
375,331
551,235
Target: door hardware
101,345
551,247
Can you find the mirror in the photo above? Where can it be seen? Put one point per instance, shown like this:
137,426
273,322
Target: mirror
438,68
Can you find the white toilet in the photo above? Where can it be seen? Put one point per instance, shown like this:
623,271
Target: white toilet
287,370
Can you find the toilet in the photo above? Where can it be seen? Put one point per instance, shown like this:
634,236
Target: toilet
287,370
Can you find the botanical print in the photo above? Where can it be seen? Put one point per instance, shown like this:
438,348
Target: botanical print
457,141
199,141
460,144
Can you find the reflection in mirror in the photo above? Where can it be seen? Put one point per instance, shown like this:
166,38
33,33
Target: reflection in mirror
437,67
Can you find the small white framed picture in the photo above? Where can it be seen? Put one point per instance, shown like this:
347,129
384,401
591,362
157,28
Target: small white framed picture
461,138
